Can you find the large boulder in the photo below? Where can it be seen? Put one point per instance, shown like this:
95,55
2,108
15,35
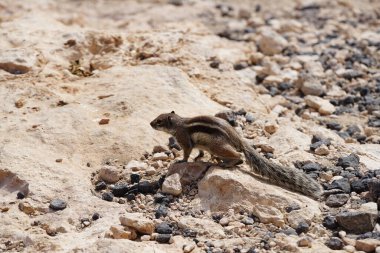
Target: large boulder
222,189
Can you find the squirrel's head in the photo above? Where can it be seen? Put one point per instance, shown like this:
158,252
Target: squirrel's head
166,122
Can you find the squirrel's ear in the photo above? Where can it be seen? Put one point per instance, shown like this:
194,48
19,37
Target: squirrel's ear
170,120
173,112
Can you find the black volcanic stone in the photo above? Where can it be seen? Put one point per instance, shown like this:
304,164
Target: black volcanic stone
334,126
119,190
349,161
310,167
374,189
330,222
188,232
135,178
130,196
351,129
360,185
347,174
342,184
57,204
95,216
357,222
164,228
343,135
162,211
337,200
292,207
335,243
240,65
100,186
146,187
302,227
374,122
163,238
107,196
20,195
289,231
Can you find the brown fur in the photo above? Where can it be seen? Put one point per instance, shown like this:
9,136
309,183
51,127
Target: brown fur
220,139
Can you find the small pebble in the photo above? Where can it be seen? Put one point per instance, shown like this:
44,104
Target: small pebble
57,204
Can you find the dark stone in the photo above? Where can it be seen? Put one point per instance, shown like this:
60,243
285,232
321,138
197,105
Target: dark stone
120,189
217,217
252,250
229,116
215,64
146,187
187,232
330,222
364,91
343,135
342,184
374,122
319,143
130,196
173,143
360,185
107,196
240,65
334,126
100,186
162,211
161,181
57,204
349,161
292,207
302,227
309,167
316,138
20,195
374,189
164,228
159,197
289,231
337,200
268,155
135,178
351,129
352,74
163,238
335,243
284,86
241,112
361,138
347,174
95,216
357,222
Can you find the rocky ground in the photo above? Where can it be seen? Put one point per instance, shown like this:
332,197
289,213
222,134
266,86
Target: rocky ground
81,170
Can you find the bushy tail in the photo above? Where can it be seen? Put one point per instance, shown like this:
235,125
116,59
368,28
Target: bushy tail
287,177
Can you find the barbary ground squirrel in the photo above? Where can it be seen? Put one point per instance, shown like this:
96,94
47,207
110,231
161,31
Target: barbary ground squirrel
219,138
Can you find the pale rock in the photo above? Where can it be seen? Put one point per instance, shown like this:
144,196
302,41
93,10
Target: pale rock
120,232
312,86
323,106
271,43
145,238
322,150
150,171
326,176
367,245
290,25
314,67
221,190
160,157
224,221
172,185
304,242
349,248
201,225
187,248
270,127
109,174
295,217
138,222
135,165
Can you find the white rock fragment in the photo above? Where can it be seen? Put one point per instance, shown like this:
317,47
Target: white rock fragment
271,42
109,174
323,106
138,222
160,157
172,185
135,165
